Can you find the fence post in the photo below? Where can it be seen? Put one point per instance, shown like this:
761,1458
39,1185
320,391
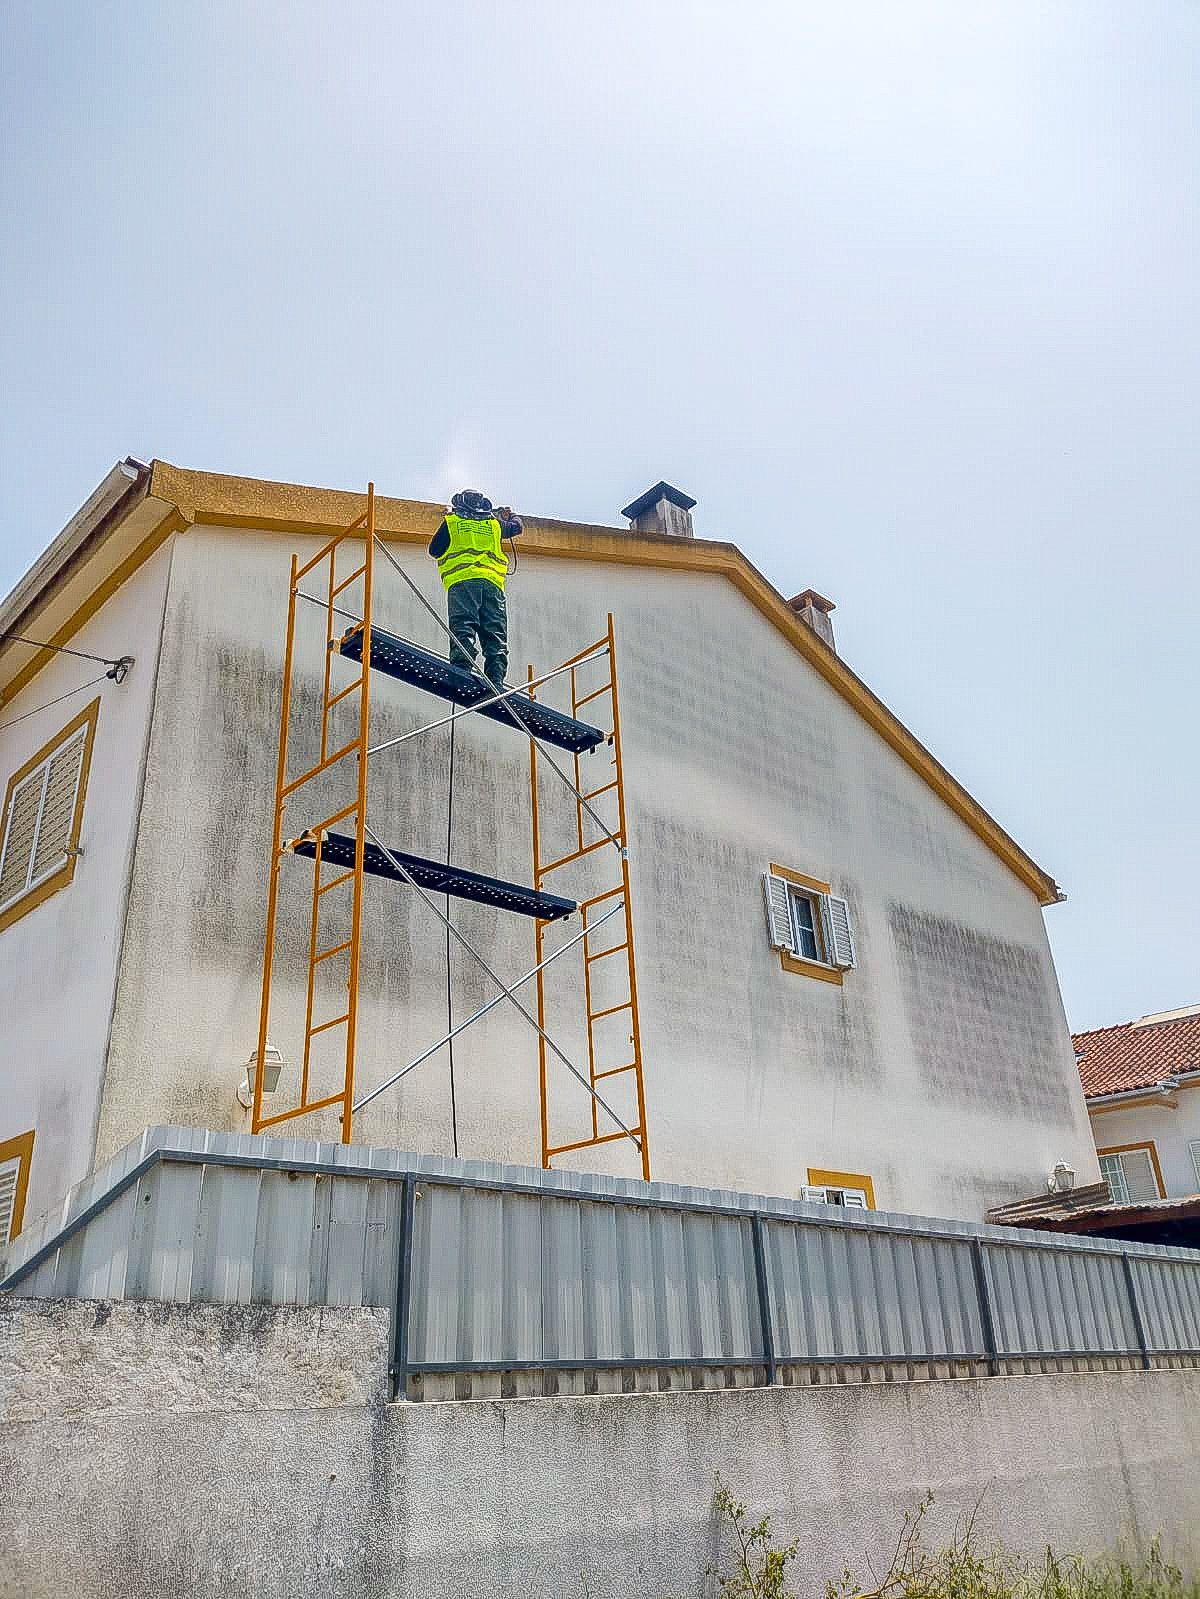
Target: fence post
985,1308
1135,1305
399,1367
764,1298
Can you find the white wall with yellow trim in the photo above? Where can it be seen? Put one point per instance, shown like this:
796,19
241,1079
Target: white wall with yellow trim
942,1065
58,962
1172,1123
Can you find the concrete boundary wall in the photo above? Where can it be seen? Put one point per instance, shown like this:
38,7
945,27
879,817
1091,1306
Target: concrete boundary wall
132,1464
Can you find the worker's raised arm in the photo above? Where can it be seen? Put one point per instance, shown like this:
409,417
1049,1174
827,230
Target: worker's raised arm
440,542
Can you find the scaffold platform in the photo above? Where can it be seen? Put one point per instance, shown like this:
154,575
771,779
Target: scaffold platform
399,658
337,849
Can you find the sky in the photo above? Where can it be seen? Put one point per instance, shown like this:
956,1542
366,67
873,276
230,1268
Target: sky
906,294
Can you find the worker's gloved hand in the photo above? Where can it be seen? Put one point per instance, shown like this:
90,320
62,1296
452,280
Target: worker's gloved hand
504,513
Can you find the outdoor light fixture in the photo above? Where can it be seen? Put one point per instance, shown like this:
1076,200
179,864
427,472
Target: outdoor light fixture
1062,1179
272,1066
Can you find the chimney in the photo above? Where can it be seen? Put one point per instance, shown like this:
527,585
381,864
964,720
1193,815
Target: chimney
663,510
814,609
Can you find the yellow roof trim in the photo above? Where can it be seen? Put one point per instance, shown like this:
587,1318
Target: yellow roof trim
215,498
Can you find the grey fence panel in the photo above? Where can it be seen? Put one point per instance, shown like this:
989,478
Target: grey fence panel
1048,1301
852,1293
1169,1292
223,1258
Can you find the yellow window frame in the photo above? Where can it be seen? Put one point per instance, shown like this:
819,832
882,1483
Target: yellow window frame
60,878
19,1148
821,970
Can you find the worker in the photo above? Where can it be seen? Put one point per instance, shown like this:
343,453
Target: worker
470,557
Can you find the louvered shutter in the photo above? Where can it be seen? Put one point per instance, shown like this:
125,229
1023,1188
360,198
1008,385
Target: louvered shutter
779,913
1140,1180
20,832
839,940
58,808
817,1195
9,1172
856,1200
1194,1148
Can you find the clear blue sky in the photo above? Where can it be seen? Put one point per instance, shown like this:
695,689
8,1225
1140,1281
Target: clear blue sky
905,294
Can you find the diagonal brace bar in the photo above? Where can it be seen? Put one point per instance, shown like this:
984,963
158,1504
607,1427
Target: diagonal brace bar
402,871
483,1009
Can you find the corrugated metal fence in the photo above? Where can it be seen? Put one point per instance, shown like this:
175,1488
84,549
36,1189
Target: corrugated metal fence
506,1280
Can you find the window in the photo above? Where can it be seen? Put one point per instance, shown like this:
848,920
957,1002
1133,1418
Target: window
1194,1151
850,1188
15,1156
1132,1173
808,925
43,813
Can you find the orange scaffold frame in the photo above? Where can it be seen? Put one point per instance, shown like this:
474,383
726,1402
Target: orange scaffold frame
600,908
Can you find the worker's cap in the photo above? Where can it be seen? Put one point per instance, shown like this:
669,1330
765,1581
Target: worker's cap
469,502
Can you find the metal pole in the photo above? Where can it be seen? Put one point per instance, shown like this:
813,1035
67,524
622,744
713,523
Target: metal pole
1135,1304
325,606
482,705
764,1298
483,1009
986,1323
402,870
611,838
408,1196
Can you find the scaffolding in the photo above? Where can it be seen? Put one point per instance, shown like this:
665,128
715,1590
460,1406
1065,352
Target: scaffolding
344,850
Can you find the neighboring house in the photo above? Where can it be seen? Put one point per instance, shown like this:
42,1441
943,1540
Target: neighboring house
889,1033
1142,1082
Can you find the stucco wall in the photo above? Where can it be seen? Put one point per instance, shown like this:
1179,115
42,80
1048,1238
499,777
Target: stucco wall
1170,1130
943,1066
155,1449
58,964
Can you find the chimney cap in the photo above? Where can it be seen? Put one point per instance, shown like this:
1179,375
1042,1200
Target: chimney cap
811,597
660,491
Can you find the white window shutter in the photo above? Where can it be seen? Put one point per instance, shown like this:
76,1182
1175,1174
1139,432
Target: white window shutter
10,1170
839,939
20,835
1194,1148
779,913
1139,1175
817,1195
850,1197
58,808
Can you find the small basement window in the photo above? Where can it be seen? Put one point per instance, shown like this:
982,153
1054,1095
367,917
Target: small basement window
850,1188
1131,1172
43,815
808,924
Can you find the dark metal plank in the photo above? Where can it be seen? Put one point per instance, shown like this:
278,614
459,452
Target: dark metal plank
338,850
411,664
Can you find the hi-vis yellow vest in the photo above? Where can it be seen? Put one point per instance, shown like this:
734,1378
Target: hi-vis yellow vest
474,551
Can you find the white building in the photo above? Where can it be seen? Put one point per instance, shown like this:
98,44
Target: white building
1140,1079
935,1074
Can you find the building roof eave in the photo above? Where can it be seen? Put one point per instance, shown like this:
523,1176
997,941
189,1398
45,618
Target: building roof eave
223,500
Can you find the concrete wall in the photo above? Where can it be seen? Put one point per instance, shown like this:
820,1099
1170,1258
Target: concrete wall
942,1067
216,1451
58,964
1169,1128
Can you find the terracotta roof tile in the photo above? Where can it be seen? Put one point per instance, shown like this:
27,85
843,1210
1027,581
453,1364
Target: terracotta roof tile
1137,1054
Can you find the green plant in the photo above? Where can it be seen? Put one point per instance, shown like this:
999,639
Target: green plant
759,1568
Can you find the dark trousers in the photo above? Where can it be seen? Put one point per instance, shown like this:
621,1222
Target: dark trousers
476,610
